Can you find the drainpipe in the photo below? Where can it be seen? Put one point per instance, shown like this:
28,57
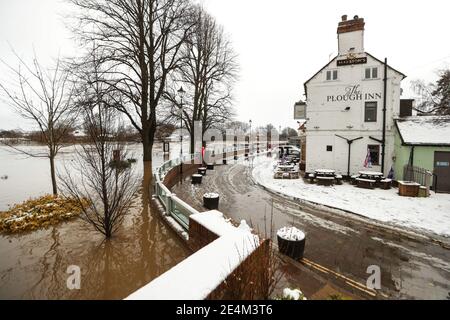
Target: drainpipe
383,143
411,156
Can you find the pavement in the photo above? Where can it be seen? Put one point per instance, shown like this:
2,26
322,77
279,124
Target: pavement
340,247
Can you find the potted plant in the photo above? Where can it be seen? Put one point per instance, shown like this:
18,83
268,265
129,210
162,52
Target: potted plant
291,242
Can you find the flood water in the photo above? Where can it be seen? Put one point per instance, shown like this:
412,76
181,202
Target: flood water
34,265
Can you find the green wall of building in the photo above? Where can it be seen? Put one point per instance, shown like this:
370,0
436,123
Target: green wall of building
423,156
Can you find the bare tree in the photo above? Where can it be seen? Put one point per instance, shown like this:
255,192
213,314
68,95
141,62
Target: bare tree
207,73
140,41
104,184
434,98
45,97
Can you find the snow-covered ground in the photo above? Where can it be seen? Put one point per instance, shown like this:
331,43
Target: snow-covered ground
422,214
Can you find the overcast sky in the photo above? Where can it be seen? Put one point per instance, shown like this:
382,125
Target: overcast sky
280,44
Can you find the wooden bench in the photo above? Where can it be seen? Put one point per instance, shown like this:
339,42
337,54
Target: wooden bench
365,183
325,181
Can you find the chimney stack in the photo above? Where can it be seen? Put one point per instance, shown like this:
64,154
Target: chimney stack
350,25
351,35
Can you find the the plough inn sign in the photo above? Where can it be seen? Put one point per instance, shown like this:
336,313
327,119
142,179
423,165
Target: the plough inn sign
353,93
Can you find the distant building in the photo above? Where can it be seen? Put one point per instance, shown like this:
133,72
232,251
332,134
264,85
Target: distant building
344,107
424,141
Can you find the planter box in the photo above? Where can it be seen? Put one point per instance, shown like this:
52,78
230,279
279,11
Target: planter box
210,166
423,192
408,189
201,171
291,248
211,201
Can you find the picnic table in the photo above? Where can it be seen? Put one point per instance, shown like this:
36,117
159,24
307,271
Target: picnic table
325,172
325,177
371,179
286,167
371,174
286,172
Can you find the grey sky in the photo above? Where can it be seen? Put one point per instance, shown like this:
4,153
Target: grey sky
280,43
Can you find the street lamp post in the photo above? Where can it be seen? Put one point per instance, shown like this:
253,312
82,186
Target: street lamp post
181,93
250,137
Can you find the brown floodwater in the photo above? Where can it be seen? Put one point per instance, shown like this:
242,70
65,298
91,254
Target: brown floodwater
34,265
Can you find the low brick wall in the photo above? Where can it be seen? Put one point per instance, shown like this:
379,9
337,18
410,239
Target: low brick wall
249,281
173,176
199,236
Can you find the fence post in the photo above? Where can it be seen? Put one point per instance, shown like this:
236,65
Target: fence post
169,204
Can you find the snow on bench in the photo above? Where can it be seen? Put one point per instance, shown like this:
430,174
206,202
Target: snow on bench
365,180
201,273
325,178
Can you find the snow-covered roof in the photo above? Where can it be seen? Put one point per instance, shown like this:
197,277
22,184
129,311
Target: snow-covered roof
425,130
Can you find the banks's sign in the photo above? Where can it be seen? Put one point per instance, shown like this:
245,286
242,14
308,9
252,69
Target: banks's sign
353,93
347,62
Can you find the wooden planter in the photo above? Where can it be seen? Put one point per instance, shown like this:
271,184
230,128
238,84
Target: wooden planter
210,166
201,171
211,201
408,189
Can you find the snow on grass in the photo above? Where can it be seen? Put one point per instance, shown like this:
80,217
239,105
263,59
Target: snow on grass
422,214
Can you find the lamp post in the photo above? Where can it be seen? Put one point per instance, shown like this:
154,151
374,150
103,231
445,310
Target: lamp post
181,93
250,137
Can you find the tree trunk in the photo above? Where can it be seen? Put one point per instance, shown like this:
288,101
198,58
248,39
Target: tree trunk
147,145
53,175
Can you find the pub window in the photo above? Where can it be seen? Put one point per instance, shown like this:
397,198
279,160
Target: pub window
329,148
370,112
371,73
332,75
374,151
374,73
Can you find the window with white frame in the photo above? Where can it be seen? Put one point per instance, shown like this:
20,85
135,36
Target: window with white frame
332,75
371,73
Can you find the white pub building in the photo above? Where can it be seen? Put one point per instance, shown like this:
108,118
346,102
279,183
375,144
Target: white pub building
348,103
